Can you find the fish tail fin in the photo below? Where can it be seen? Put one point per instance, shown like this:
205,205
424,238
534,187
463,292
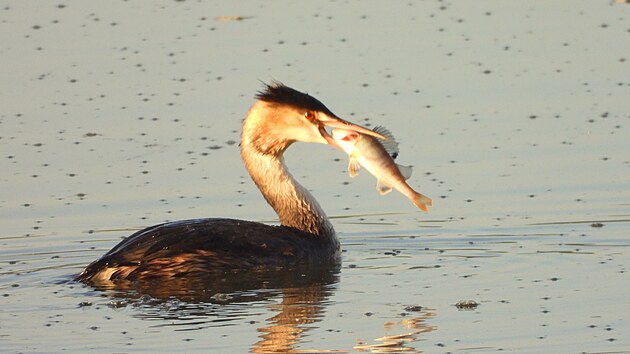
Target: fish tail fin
422,201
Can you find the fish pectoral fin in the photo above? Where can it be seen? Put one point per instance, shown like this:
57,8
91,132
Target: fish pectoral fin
405,171
383,187
353,167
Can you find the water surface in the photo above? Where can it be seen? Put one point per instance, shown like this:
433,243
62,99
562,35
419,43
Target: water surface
514,114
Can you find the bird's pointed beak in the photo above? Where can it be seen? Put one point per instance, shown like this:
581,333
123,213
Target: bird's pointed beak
334,122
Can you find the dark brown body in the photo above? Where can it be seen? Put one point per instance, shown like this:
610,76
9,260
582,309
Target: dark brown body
205,246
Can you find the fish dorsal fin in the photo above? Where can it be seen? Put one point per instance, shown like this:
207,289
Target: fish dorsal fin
390,145
353,167
405,171
383,187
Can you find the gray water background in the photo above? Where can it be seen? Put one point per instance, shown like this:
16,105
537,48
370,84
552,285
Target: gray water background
514,114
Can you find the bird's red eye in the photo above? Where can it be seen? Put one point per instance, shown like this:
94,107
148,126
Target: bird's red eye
310,116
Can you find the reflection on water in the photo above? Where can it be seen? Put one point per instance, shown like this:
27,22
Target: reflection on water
299,308
396,343
196,302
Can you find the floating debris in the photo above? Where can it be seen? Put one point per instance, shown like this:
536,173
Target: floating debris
414,308
467,305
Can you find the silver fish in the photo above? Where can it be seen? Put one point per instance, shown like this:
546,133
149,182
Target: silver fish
377,156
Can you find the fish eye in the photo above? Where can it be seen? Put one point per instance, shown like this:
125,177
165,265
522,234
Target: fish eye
309,115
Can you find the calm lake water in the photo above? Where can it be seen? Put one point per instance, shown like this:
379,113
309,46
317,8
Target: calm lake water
516,116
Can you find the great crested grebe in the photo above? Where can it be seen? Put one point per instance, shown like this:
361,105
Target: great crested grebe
279,117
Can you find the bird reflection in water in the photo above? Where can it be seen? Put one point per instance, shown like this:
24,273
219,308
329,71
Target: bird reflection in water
299,308
298,299
193,303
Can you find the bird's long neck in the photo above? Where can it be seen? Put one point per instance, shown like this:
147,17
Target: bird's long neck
294,205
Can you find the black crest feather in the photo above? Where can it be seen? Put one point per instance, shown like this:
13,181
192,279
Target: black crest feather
277,92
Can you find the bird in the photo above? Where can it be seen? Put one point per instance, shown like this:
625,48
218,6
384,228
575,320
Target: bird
279,117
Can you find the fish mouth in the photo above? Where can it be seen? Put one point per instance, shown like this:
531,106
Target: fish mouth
338,123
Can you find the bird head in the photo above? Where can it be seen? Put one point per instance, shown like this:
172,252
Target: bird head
282,115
